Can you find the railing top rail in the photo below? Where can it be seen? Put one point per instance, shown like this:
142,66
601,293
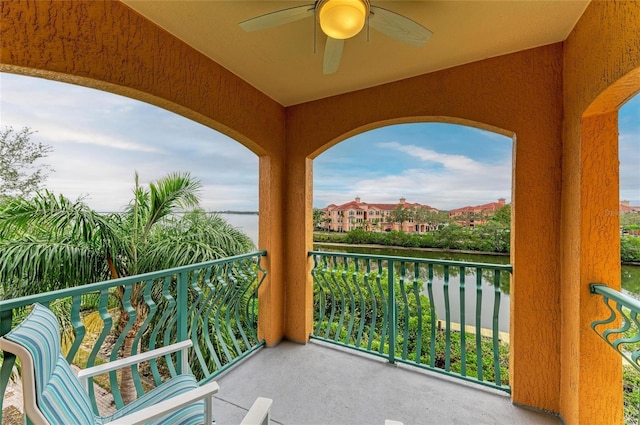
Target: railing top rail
506,267
9,304
618,297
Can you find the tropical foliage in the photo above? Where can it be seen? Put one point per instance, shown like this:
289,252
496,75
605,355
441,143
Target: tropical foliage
49,242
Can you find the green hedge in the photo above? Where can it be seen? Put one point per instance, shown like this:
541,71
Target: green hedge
489,238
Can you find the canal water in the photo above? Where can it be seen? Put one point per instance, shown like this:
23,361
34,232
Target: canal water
630,282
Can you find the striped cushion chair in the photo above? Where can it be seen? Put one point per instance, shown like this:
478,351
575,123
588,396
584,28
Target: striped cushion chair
54,395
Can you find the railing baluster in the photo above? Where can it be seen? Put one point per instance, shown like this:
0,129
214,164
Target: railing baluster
362,304
463,327
447,315
479,363
328,277
131,312
352,300
405,300
432,305
182,311
209,292
168,312
416,293
391,305
385,309
374,306
496,328
232,300
78,327
224,292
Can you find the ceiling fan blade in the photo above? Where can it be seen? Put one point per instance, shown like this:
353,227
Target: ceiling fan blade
332,55
399,27
277,18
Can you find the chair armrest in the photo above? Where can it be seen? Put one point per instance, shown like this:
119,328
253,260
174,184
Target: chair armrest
163,408
89,372
260,412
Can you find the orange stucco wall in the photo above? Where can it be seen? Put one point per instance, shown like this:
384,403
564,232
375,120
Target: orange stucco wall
559,102
601,72
520,93
105,45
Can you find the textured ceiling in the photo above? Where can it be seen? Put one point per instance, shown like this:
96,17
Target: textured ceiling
281,61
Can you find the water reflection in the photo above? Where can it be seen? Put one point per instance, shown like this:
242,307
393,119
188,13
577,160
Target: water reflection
462,289
477,298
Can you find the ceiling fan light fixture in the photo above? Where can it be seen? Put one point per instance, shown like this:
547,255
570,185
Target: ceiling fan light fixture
342,19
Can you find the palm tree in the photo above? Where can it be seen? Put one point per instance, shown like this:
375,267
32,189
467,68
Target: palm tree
49,243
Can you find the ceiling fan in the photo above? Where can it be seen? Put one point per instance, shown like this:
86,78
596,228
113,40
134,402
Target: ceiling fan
343,19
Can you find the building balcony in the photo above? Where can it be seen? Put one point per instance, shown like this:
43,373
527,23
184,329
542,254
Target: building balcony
386,341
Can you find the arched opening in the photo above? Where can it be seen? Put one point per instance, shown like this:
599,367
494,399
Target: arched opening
423,190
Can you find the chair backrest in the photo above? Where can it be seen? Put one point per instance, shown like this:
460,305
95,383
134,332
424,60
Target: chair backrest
58,393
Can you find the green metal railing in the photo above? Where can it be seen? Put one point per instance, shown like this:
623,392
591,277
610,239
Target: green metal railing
386,306
212,303
621,330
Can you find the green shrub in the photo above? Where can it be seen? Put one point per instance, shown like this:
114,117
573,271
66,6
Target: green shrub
630,248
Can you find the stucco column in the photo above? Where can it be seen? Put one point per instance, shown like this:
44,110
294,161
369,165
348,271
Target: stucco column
298,213
270,228
534,368
591,388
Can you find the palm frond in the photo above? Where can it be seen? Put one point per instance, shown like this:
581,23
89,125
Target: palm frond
191,238
176,190
54,217
29,266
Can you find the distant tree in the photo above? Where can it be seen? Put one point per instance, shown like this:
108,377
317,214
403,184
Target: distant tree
503,216
432,217
19,176
629,219
400,214
318,218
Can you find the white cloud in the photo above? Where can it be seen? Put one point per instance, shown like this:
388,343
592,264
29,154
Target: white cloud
58,134
100,139
452,162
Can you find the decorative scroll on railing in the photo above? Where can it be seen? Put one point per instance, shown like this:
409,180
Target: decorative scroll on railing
213,303
621,330
388,306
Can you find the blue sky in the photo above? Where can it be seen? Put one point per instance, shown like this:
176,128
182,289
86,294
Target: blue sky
100,139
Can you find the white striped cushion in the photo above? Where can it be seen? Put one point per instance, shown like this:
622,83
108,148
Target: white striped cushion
64,401
40,334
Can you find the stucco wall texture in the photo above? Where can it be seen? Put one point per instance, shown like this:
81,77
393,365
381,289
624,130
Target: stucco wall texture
559,103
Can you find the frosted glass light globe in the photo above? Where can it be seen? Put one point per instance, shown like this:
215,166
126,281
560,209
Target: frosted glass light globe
342,19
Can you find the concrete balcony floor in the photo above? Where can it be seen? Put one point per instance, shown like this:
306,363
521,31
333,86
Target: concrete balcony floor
319,383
